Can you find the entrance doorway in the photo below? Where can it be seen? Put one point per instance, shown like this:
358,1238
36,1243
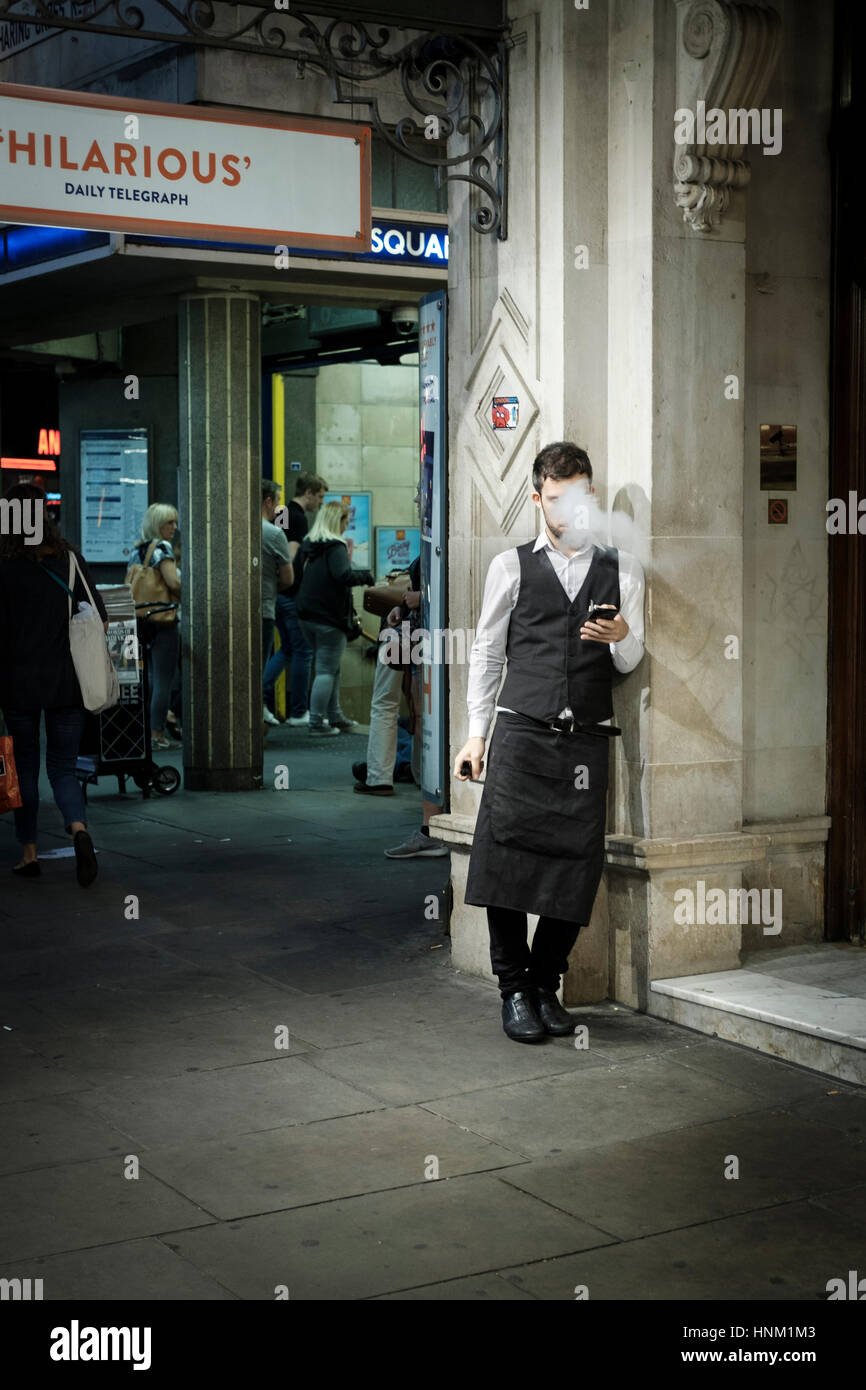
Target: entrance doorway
353,397
342,402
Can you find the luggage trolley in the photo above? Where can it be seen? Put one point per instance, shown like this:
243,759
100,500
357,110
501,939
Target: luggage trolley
117,743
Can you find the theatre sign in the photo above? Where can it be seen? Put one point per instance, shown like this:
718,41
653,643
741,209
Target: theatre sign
72,159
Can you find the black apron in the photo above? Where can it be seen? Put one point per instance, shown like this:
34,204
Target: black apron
539,836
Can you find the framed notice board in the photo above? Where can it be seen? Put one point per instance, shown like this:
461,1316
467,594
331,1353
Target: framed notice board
113,468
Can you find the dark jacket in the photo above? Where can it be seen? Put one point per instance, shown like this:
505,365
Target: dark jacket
413,614
326,581
297,531
36,670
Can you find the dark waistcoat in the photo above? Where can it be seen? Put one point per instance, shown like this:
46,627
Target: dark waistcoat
549,665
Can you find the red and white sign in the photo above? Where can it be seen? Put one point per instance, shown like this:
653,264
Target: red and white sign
503,412
70,159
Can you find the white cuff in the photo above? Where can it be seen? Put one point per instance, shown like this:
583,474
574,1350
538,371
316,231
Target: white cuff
627,653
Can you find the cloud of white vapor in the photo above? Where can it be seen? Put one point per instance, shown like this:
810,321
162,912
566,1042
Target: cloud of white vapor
578,519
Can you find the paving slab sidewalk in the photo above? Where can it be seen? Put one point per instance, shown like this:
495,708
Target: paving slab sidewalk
243,1061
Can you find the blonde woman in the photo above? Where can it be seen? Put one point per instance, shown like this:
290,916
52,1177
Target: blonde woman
154,547
323,598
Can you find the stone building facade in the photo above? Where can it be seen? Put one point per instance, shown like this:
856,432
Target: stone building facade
655,300
659,321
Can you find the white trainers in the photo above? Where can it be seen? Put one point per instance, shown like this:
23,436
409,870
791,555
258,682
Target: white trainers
301,719
268,717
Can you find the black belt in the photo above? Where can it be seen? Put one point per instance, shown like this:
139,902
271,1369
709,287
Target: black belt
568,726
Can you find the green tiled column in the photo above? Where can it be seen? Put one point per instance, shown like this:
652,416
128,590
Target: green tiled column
220,512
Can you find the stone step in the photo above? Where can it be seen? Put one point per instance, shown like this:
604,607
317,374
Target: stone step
774,1005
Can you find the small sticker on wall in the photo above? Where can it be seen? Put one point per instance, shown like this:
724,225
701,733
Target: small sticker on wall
777,511
504,412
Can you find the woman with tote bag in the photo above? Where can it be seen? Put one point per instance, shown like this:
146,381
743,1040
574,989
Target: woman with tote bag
38,673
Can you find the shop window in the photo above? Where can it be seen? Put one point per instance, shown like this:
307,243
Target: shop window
398,182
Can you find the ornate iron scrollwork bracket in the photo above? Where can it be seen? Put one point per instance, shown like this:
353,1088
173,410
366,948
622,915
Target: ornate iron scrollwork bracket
455,85
456,91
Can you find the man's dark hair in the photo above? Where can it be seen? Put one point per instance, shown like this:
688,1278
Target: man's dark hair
309,482
558,461
14,546
270,489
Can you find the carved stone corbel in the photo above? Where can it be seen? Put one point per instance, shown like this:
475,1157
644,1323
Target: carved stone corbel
726,55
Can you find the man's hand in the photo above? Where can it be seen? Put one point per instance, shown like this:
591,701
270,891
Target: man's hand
393,618
605,630
412,598
471,752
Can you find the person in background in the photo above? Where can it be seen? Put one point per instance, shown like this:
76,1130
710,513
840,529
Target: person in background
420,845
378,770
174,716
328,575
294,652
154,548
37,674
277,572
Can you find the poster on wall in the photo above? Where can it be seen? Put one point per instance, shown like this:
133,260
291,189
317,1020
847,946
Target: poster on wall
113,466
431,349
359,531
396,548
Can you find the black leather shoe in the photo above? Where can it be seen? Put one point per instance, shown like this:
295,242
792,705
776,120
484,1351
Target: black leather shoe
554,1018
85,858
520,1018
32,869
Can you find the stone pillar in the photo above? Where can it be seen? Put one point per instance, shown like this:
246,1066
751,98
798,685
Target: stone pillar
219,377
676,330
526,318
619,322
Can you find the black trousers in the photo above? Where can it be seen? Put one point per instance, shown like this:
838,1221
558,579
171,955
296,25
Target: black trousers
511,959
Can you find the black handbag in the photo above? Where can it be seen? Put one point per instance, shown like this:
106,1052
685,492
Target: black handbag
351,622
353,627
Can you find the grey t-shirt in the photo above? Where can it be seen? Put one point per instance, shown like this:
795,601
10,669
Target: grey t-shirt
275,552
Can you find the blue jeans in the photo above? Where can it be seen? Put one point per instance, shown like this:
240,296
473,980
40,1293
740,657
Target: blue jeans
294,652
163,647
63,730
328,643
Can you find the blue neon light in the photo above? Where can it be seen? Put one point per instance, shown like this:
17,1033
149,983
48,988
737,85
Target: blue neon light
394,243
23,246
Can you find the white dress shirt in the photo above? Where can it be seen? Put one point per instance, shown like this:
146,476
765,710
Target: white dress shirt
501,590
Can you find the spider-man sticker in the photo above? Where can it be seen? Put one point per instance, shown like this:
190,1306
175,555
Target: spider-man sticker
504,412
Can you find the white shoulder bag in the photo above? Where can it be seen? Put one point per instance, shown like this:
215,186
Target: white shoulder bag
97,677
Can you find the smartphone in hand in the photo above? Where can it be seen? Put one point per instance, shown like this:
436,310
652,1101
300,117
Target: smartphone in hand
601,610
